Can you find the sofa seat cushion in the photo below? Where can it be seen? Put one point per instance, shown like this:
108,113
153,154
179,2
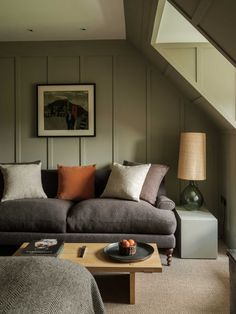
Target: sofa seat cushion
34,215
120,216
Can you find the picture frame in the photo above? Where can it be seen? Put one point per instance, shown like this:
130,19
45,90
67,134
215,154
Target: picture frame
65,110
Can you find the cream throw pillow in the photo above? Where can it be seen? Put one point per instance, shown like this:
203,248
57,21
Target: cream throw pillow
125,182
22,181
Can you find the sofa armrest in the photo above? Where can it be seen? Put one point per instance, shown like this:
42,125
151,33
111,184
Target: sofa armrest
163,202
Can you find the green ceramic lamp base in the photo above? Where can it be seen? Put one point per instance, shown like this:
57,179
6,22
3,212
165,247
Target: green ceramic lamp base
191,198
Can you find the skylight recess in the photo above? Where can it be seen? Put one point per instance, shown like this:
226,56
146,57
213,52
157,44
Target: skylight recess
196,59
175,28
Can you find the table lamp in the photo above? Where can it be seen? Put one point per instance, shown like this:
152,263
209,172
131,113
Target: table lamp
192,167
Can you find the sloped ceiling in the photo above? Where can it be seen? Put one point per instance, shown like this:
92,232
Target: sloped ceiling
139,17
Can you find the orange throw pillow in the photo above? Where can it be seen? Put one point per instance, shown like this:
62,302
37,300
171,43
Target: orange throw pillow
76,183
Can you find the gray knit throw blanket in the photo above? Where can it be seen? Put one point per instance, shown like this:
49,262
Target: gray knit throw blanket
47,285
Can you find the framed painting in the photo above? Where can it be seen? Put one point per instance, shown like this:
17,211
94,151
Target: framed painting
66,110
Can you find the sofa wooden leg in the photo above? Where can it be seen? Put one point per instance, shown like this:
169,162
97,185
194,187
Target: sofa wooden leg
169,253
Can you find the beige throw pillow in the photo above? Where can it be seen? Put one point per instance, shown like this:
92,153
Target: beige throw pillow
125,182
22,181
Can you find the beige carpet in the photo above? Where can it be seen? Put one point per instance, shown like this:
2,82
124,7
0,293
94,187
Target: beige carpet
188,286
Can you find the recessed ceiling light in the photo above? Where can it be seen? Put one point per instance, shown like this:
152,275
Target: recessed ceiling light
83,28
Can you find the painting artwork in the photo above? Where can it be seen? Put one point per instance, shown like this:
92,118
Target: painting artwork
66,110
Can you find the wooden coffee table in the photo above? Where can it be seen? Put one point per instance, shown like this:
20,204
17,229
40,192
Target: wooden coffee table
95,260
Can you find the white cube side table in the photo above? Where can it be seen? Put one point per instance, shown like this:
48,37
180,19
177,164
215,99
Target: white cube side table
197,235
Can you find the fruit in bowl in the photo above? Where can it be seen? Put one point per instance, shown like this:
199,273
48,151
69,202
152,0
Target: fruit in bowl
127,247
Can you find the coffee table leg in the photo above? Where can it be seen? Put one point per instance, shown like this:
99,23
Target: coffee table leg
132,288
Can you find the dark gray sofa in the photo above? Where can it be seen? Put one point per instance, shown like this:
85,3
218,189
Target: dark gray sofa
93,220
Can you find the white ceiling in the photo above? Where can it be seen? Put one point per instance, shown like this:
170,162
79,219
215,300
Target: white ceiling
61,20
175,28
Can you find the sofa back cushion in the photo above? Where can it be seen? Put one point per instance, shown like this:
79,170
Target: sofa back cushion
50,182
101,178
1,185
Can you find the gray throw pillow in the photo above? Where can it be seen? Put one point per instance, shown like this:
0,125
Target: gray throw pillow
22,181
126,182
152,182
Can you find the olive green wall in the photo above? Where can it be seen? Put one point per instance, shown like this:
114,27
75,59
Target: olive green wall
227,211
139,115
221,147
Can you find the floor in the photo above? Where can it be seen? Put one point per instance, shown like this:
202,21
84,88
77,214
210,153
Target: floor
188,286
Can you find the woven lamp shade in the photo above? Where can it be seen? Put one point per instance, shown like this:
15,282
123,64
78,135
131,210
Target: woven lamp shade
192,156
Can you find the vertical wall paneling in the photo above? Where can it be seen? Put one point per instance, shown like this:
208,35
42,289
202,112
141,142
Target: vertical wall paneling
227,187
130,109
218,81
139,113
165,127
183,58
113,106
235,93
149,113
195,65
212,75
17,109
198,67
64,150
182,126
33,70
98,150
7,110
